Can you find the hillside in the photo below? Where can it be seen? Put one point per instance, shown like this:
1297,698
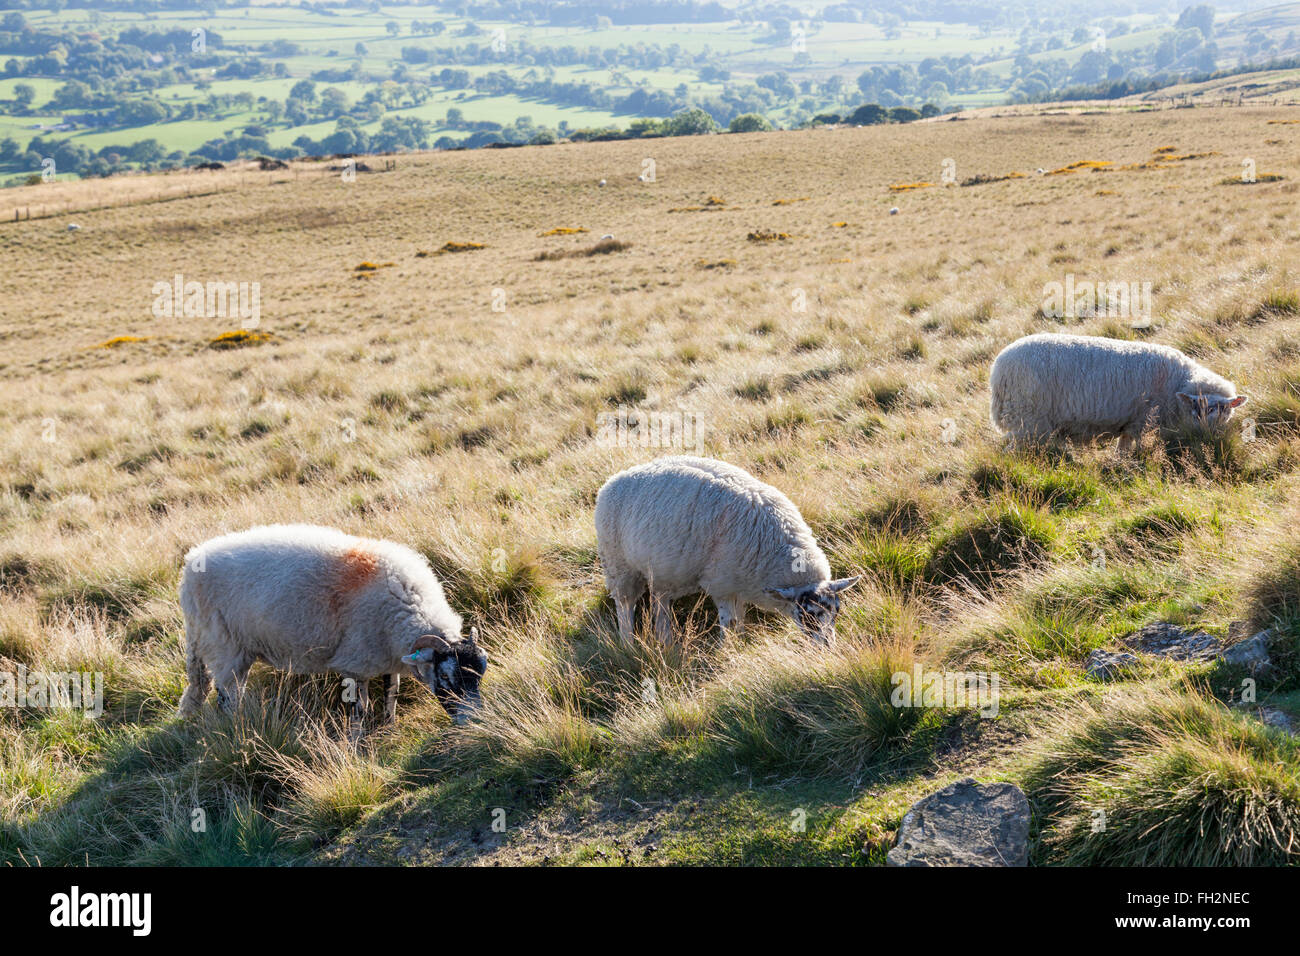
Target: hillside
418,370
98,89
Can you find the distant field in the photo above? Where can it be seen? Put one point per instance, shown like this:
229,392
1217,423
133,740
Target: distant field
747,49
328,42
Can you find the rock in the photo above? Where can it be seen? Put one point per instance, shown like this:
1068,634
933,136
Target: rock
1252,653
1273,717
893,211
1106,665
1169,640
965,824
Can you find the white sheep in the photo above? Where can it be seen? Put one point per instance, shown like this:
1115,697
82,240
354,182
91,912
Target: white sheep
315,600
1083,387
683,525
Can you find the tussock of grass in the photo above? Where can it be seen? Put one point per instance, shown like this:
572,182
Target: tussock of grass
239,338
787,710
602,248
1039,482
1190,449
1181,781
981,551
452,247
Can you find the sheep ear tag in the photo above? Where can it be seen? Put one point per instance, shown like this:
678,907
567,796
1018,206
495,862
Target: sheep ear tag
422,656
1239,400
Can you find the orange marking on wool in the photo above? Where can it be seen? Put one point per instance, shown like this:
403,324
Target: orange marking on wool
356,568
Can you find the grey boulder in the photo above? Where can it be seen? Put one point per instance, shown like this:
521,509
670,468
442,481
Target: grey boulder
965,824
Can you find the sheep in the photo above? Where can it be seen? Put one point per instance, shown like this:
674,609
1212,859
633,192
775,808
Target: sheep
1084,387
315,600
683,525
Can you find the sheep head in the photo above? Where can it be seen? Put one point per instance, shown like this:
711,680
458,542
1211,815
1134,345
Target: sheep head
451,669
1210,410
815,606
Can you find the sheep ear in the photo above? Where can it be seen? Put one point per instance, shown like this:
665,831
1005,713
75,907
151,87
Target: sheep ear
785,594
432,642
1238,401
843,584
1188,399
422,656
473,635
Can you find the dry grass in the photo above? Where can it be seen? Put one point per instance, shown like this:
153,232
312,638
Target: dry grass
452,404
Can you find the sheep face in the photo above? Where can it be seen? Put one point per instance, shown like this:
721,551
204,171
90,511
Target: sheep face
452,670
1211,411
814,607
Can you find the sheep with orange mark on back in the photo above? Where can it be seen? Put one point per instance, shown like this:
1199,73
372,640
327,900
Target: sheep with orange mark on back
314,600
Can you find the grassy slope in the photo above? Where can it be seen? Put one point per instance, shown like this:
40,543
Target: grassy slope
402,405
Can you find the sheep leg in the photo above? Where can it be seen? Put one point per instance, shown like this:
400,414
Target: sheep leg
663,615
626,619
359,710
230,684
391,683
626,594
200,681
731,614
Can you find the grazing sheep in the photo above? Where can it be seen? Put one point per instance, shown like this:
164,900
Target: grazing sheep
1083,387
683,525
313,601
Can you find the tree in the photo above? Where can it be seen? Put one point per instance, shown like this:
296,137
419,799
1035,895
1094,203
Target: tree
361,49
749,123
304,90
1200,17
333,102
24,94
392,28
869,114
692,122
